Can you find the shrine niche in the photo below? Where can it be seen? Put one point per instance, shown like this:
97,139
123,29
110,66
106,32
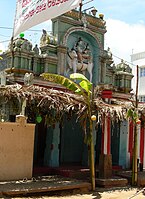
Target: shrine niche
80,58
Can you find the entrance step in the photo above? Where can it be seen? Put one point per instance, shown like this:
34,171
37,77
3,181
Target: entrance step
128,175
45,184
112,182
74,172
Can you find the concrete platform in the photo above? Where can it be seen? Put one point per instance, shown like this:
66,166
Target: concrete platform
112,182
82,173
43,184
128,175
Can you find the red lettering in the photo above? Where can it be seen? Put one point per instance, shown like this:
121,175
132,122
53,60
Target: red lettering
49,3
57,2
37,9
25,2
40,8
53,3
44,6
31,13
26,17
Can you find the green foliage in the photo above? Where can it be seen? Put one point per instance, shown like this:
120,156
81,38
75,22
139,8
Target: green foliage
63,81
84,82
132,114
78,76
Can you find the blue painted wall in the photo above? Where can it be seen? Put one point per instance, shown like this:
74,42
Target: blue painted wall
51,157
72,143
123,144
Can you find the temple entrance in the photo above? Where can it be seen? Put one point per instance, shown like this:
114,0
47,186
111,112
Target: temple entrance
40,144
72,147
98,143
115,142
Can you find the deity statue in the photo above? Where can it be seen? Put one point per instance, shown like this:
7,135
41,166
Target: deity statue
44,40
28,79
80,57
36,49
83,51
3,76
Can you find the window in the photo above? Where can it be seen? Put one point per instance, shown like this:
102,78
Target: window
141,98
142,72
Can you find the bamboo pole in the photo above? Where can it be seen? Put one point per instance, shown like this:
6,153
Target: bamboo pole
92,157
92,162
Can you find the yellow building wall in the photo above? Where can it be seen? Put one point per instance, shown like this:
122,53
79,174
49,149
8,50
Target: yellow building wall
16,150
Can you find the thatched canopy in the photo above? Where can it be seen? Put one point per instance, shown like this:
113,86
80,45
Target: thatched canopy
41,100
53,103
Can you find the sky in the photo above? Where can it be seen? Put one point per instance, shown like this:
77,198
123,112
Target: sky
125,22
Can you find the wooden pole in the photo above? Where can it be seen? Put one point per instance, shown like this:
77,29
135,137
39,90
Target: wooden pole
92,162
12,51
134,164
91,155
80,10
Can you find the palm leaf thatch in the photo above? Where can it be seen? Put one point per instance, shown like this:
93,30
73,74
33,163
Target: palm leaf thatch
53,102
50,102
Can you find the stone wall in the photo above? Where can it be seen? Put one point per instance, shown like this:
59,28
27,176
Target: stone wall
16,150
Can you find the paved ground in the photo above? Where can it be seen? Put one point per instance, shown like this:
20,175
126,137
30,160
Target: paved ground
64,188
43,184
120,193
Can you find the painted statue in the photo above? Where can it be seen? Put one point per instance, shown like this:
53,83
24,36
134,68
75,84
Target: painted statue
80,58
28,79
44,40
3,76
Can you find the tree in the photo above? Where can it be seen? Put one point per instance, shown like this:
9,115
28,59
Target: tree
84,88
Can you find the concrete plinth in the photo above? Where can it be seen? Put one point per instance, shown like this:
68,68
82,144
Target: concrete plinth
113,182
105,166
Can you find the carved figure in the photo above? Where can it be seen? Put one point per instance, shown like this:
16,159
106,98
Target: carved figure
80,58
75,65
3,76
28,79
79,48
36,49
84,21
44,40
109,53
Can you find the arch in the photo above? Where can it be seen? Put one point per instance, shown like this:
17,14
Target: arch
71,37
81,29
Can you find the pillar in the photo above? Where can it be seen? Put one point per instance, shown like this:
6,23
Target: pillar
62,60
141,148
105,161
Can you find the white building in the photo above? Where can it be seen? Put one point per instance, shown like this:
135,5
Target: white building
139,59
